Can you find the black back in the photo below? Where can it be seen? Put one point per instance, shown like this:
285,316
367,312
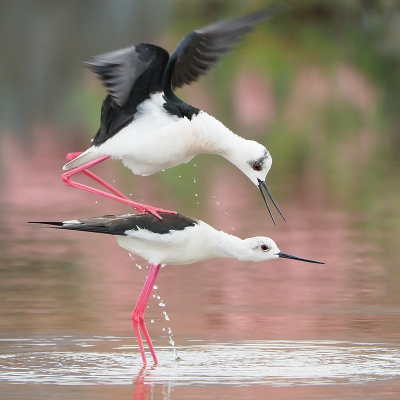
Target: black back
119,224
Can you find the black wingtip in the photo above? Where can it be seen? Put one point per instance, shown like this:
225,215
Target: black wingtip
46,223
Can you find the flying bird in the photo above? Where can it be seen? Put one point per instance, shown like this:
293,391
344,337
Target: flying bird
146,126
174,239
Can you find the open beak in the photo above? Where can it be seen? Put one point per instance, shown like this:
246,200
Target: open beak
284,255
262,185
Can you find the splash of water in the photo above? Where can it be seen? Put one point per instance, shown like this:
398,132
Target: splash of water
172,343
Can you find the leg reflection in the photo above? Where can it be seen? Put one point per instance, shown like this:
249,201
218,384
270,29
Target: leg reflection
141,389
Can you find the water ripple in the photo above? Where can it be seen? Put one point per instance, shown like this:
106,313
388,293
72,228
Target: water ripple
113,360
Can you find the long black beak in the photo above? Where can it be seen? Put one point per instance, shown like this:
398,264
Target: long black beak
261,185
284,255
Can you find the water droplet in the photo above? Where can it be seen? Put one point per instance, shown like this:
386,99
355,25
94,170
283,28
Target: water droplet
163,170
196,194
166,315
163,329
130,194
155,287
161,304
158,297
232,228
217,202
154,295
198,203
152,321
226,213
194,165
113,181
172,343
139,266
96,202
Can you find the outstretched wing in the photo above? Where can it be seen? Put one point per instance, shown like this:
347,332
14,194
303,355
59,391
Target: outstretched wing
200,50
121,69
131,75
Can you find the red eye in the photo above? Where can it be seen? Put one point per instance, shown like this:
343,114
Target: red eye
257,167
264,247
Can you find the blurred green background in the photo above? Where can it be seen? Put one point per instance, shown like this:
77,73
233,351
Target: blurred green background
322,84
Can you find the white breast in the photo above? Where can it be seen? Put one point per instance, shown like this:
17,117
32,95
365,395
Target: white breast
155,140
190,245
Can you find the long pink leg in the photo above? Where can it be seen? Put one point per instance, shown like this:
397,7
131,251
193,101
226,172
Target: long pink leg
72,156
140,308
141,208
141,320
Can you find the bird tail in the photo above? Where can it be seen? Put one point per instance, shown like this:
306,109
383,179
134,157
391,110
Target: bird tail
85,157
73,226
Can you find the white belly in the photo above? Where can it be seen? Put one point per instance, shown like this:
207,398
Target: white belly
154,140
187,246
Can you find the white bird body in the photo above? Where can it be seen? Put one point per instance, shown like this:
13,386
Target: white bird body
156,140
190,245
146,126
176,239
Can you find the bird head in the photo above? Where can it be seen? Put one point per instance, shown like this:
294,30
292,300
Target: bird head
255,161
263,249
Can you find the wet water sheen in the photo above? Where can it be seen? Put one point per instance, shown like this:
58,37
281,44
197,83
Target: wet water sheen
275,330
116,361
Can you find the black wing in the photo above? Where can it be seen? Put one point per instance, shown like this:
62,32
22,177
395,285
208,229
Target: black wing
119,224
200,50
119,70
131,75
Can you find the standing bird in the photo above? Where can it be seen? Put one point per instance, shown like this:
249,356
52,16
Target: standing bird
144,124
174,239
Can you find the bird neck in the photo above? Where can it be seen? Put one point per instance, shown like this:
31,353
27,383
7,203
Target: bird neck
222,245
215,137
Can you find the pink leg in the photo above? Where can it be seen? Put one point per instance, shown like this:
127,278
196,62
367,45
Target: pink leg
72,156
141,208
140,308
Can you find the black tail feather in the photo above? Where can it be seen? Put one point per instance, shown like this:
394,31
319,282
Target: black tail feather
75,227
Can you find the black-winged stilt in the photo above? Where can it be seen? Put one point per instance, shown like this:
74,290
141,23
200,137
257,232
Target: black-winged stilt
143,122
175,239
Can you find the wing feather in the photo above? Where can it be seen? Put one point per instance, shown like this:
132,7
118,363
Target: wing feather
119,71
202,49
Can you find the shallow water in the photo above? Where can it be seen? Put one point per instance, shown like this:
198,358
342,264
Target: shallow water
281,329
115,360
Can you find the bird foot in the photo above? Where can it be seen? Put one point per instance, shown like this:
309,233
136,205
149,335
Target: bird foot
118,196
143,208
